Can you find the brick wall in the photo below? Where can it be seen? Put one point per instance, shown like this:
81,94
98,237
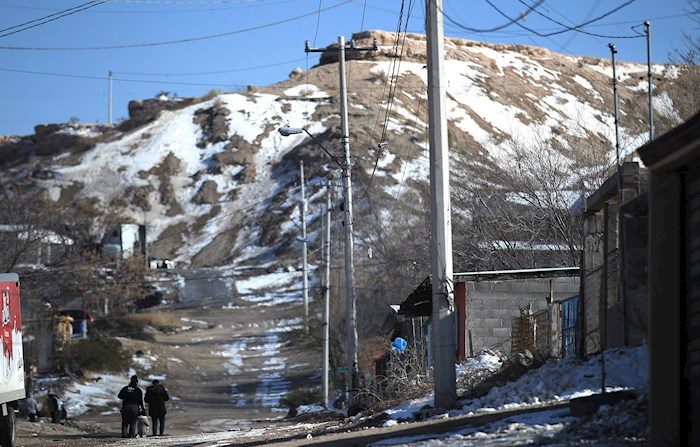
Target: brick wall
491,306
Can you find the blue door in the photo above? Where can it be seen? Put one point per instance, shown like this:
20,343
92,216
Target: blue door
569,326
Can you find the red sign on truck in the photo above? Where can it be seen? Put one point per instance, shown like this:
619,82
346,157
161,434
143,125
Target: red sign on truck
12,360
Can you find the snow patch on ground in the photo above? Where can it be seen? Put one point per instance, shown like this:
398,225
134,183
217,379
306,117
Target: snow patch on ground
306,91
557,380
98,390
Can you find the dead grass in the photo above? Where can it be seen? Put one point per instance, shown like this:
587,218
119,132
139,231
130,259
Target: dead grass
158,320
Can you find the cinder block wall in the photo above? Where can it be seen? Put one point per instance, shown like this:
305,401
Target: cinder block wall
491,306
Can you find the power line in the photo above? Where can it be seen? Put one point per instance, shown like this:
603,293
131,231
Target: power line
393,78
103,78
495,28
161,11
44,22
364,10
52,17
578,29
201,73
318,21
568,28
177,41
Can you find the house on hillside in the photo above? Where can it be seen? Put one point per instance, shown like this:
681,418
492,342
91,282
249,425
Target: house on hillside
673,160
34,247
125,240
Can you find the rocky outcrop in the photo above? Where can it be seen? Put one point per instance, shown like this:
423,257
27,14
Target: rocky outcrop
145,111
207,193
214,124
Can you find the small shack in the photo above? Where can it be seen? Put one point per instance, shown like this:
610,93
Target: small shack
490,306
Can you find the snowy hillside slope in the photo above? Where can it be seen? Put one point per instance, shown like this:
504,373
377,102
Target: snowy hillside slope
216,184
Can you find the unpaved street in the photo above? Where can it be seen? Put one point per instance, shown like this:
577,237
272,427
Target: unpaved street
226,370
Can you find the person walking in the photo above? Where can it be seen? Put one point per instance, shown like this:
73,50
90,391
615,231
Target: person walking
132,402
55,408
32,407
156,396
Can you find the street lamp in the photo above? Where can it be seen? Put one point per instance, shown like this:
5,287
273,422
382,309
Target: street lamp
286,131
349,258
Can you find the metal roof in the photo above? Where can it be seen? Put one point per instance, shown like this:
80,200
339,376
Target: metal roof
494,275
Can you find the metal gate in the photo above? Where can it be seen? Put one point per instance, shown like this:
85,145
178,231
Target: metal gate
569,326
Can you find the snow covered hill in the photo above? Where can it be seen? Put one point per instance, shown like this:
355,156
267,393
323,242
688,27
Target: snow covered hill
216,184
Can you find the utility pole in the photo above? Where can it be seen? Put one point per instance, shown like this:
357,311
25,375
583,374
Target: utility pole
621,291
305,267
326,294
444,344
352,381
613,52
109,97
647,31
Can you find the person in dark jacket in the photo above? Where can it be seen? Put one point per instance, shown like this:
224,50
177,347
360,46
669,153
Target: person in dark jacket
55,408
156,396
132,402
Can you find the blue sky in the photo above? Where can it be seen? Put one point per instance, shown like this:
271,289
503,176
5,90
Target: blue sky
29,99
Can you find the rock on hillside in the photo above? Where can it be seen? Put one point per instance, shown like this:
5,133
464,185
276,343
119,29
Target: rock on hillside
216,183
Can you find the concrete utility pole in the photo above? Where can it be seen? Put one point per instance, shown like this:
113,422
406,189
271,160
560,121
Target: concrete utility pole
109,97
443,322
352,381
326,294
305,266
647,31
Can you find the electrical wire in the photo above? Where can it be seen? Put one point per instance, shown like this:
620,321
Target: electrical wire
362,22
161,11
568,28
177,41
104,78
393,79
577,28
49,18
202,73
510,21
318,21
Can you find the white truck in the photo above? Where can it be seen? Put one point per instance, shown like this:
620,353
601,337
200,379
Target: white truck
12,364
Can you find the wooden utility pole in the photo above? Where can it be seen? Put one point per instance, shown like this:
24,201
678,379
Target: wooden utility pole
305,267
443,322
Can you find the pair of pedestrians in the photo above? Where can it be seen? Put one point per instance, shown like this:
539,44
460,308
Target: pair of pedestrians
133,405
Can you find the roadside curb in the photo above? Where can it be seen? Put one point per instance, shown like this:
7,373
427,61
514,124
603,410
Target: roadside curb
365,437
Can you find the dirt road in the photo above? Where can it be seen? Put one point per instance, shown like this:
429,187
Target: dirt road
226,371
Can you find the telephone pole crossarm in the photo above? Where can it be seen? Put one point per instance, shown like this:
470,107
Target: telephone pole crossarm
351,47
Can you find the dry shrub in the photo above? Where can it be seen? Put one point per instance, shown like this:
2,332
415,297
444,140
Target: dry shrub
101,354
120,325
407,377
163,321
